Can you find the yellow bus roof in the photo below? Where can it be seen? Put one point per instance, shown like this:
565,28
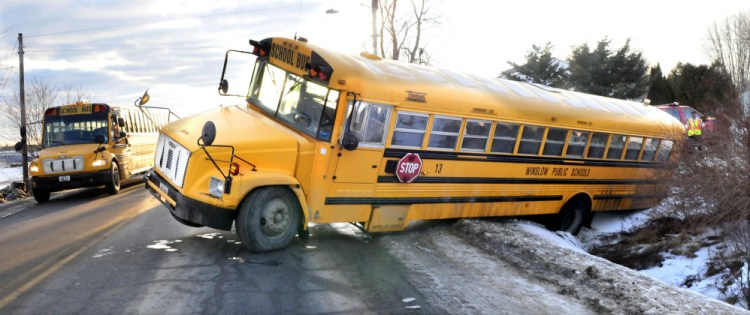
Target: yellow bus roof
440,91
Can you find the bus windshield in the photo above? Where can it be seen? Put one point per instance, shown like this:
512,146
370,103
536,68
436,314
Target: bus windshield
73,129
303,104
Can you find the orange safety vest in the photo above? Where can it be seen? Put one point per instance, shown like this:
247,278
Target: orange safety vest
694,127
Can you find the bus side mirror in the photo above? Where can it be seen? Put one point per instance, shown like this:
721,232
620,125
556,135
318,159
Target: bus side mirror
23,132
123,134
208,135
121,122
224,86
100,138
19,146
350,142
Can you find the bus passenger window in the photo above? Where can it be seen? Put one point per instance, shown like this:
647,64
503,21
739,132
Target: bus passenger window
475,135
664,149
444,133
649,148
369,123
531,139
577,143
504,140
555,141
598,144
616,146
634,148
410,129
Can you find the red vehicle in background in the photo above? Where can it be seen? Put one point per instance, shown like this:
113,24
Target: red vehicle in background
683,112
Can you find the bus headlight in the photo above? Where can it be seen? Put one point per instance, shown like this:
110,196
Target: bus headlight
98,163
216,187
34,168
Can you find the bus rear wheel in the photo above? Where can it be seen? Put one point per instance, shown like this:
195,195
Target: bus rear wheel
113,185
571,217
268,219
41,195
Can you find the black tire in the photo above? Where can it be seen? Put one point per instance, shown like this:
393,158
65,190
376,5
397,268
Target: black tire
113,185
268,219
41,195
571,217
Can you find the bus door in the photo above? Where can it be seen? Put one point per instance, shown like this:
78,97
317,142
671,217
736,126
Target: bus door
370,125
120,145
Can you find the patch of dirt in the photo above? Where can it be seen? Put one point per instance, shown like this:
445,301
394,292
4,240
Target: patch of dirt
644,247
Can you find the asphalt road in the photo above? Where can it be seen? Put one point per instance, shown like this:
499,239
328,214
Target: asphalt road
90,253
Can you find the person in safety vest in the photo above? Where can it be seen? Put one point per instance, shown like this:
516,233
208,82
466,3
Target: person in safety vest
694,126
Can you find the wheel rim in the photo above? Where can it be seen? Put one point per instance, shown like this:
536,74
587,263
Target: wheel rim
115,176
275,218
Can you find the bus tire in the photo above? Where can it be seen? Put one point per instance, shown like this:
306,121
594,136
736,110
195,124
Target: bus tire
571,217
113,185
268,219
41,195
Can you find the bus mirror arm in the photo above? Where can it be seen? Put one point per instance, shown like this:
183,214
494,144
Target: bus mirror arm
349,141
228,176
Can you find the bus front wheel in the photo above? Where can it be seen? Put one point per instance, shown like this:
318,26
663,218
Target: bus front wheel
41,195
113,185
268,219
571,217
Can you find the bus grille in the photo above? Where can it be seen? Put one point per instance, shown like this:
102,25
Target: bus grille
171,159
52,166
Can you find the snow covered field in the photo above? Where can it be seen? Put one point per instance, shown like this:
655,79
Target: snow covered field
9,175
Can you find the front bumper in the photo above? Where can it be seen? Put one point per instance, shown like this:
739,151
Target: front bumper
186,208
53,183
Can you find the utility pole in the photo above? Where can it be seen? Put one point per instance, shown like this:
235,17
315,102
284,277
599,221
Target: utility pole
374,8
24,151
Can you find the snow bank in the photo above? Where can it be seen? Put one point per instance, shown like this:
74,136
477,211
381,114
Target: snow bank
9,175
605,286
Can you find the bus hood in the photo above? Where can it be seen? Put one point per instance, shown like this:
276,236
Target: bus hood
255,138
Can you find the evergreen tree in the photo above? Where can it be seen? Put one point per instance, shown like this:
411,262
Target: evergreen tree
706,88
540,67
619,74
659,90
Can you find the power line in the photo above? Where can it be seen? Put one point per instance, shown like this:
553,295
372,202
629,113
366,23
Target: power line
162,21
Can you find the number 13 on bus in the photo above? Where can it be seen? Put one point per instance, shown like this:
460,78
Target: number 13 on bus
324,137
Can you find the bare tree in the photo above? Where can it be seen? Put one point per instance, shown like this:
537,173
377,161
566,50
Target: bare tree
405,31
40,95
729,43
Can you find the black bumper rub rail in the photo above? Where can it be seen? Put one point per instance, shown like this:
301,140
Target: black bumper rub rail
189,209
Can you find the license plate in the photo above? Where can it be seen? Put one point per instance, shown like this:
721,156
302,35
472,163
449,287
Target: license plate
164,188
64,178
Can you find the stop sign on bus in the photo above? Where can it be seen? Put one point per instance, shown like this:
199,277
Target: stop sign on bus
408,167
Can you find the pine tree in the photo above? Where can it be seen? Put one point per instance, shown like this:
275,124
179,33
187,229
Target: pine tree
706,88
659,90
540,67
619,74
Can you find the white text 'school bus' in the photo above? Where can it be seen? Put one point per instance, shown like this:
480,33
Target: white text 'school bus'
86,144
326,137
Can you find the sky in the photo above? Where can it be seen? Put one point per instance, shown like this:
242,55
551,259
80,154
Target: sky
116,50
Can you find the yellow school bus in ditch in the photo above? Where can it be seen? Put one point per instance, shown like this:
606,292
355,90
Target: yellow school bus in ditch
93,144
325,137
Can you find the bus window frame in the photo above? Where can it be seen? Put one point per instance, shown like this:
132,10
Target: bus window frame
515,139
541,140
445,133
396,129
466,135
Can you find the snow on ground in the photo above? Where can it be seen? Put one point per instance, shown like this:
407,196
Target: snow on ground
604,286
9,175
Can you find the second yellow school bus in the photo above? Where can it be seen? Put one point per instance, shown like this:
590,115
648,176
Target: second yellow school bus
326,137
